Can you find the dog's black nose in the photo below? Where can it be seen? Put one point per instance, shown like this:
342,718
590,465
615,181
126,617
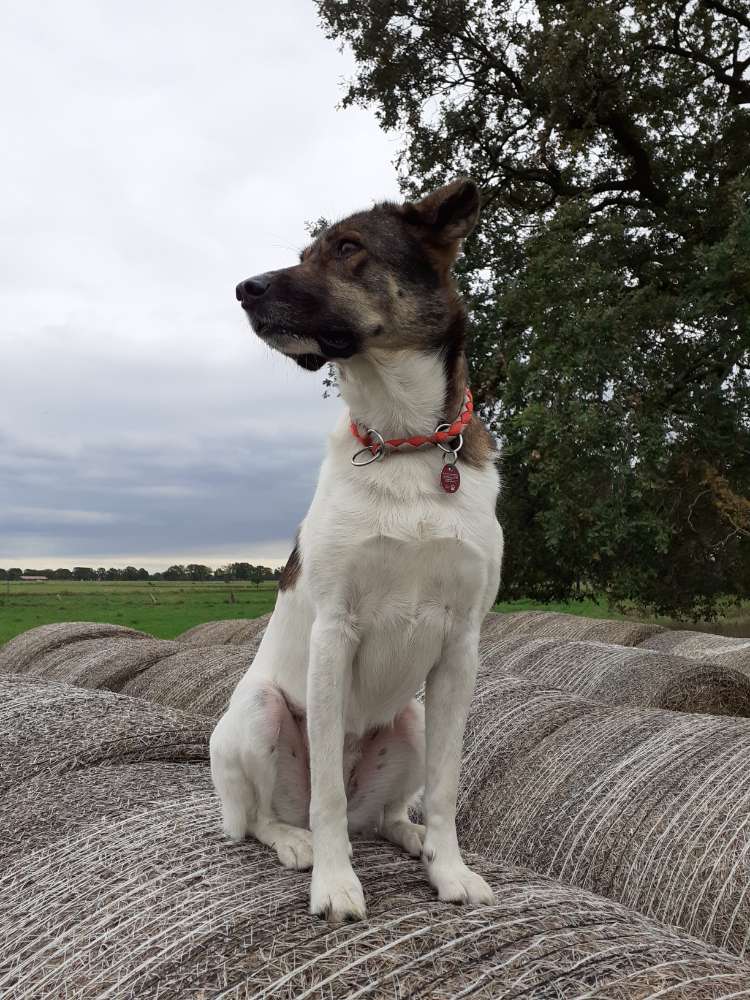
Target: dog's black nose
253,288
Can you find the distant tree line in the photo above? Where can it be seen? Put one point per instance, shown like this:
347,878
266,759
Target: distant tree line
192,572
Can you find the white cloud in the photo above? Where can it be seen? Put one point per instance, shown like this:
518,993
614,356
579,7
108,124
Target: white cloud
155,155
50,515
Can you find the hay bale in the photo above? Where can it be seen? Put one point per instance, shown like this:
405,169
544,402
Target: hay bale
52,728
231,630
17,655
647,807
621,675
555,625
156,904
101,663
727,650
199,680
40,810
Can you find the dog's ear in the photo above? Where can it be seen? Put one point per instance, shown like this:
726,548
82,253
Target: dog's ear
310,362
447,215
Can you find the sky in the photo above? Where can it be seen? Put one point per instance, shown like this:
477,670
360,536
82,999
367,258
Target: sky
155,155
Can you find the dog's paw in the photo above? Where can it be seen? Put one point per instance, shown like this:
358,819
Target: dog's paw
409,836
337,896
294,848
455,883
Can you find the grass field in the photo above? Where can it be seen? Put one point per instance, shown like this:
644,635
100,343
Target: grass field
165,609
162,608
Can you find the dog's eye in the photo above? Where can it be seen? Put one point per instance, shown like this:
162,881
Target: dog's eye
346,248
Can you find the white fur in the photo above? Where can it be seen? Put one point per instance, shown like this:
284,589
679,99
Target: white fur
396,577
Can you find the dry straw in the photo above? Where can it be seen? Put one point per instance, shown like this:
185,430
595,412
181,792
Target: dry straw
727,650
50,728
39,810
101,663
150,902
199,680
554,625
621,675
234,631
648,807
17,655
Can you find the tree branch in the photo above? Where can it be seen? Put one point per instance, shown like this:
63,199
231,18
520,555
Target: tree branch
723,8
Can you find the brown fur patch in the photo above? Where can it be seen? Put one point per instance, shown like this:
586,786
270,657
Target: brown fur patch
290,573
479,445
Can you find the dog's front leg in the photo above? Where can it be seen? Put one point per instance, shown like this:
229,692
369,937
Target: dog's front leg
449,689
335,892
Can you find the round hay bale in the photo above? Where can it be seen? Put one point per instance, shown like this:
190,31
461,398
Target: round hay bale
231,630
199,680
727,650
40,810
555,625
101,663
156,904
17,655
647,807
52,728
621,675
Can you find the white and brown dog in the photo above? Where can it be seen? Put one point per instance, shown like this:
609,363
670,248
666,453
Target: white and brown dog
394,568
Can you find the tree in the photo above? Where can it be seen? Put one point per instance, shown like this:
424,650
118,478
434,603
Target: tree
177,572
63,574
609,284
197,572
83,573
14,573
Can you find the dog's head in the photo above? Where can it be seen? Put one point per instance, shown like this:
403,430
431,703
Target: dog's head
377,279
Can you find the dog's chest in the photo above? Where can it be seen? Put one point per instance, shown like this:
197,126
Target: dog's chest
406,597
403,562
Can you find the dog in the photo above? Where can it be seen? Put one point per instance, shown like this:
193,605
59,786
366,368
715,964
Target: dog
395,564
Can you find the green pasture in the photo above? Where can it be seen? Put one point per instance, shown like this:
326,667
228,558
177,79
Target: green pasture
160,607
165,608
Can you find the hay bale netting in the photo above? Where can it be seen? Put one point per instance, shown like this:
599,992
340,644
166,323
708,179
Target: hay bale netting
555,625
230,631
156,904
647,807
101,663
42,809
199,679
52,728
621,675
17,655
727,650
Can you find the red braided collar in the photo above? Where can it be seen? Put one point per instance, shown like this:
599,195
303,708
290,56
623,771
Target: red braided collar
439,437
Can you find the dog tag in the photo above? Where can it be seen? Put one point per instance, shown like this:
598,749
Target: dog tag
450,478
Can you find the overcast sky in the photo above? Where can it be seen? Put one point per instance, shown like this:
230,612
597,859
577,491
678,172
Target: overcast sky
154,155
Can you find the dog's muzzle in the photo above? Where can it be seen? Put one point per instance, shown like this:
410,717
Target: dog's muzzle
251,289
